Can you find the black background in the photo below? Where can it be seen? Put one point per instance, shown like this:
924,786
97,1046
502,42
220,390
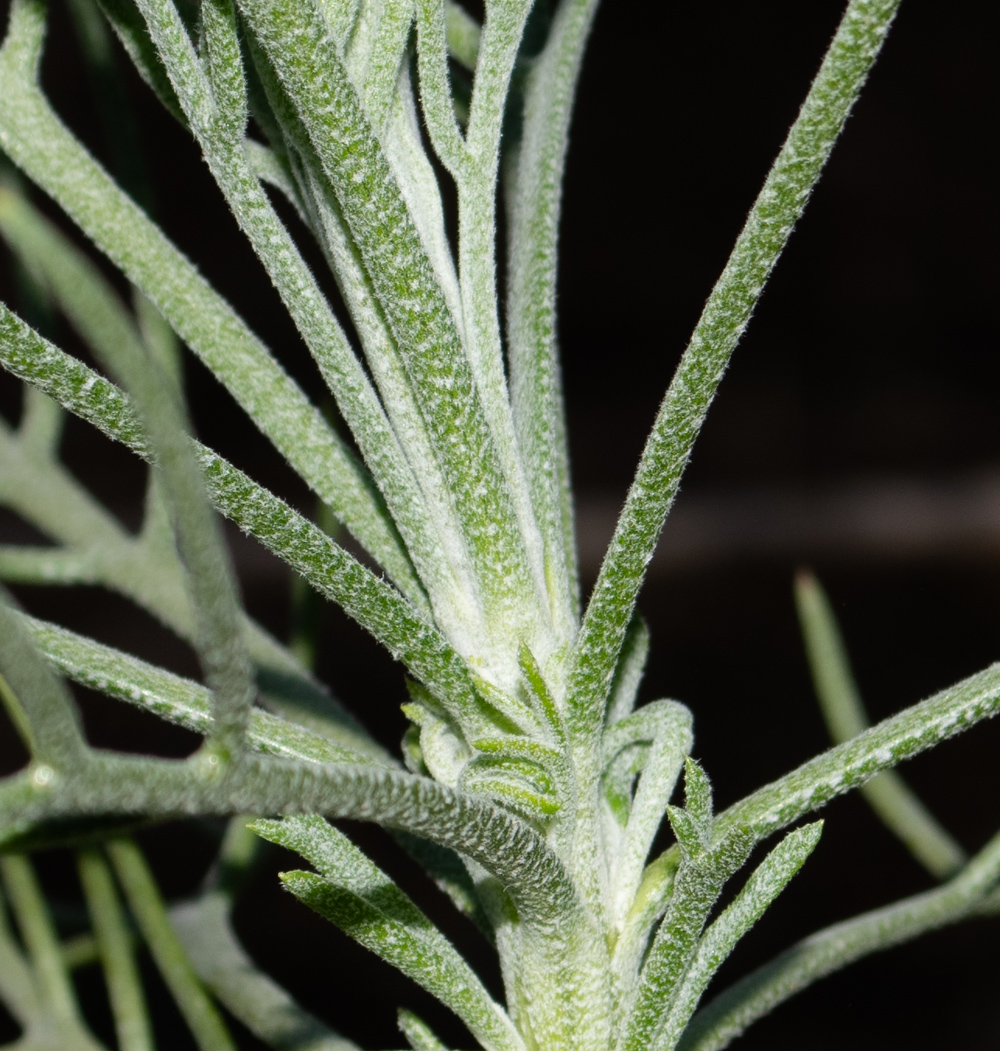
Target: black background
873,356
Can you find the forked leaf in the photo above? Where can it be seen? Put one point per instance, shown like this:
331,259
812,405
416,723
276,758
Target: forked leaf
355,894
827,951
117,344
36,140
327,566
769,879
696,888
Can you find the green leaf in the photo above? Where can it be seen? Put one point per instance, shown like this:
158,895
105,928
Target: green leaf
825,952
371,601
311,71
666,726
887,794
698,795
445,868
221,136
113,337
778,207
629,673
355,894
128,25
111,784
128,1006
852,764
35,139
182,701
464,33
17,985
696,888
54,989
143,896
45,710
534,199
418,1034
768,880
259,1002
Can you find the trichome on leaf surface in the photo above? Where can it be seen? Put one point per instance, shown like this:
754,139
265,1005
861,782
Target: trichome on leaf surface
378,139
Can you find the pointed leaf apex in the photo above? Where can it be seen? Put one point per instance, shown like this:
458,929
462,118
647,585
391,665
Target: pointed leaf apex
698,794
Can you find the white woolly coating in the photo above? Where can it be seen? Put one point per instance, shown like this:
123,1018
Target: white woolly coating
535,791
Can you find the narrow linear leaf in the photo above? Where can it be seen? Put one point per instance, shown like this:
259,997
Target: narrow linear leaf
259,1002
768,880
56,997
855,762
146,570
418,1033
41,423
779,205
827,951
46,565
313,74
371,601
887,794
629,673
128,26
667,726
35,139
128,1006
17,986
696,888
534,203
181,701
850,765
352,892
114,784
221,136
46,711
117,344
464,33
147,906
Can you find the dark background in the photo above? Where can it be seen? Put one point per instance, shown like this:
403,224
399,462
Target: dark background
855,432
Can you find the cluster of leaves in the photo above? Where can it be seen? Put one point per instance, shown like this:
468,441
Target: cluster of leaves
530,787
